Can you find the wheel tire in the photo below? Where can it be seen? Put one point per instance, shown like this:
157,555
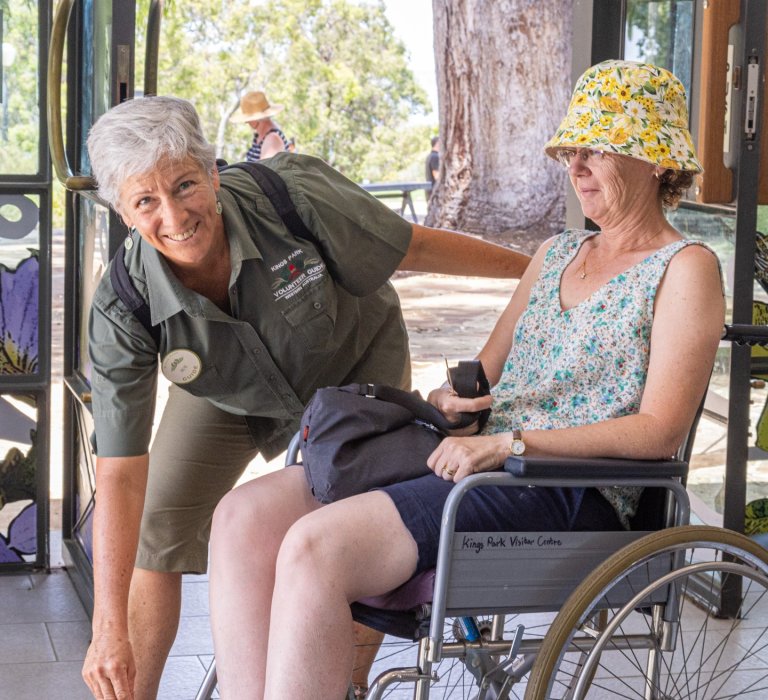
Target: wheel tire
712,674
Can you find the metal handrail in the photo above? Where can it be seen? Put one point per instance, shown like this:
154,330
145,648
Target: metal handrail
151,60
78,183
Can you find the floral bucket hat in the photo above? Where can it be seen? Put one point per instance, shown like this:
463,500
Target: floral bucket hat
632,109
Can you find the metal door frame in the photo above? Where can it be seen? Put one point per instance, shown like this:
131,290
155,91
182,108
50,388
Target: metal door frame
598,35
39,385
76,447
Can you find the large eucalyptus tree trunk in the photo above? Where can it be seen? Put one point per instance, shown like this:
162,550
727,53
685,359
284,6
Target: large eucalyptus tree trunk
503,70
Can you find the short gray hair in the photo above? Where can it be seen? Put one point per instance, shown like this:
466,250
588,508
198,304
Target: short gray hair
133,136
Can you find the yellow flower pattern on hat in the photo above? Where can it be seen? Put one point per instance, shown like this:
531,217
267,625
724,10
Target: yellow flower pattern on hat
632,109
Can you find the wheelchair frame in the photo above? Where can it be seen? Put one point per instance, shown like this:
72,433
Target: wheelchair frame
543,565
474,571
586,576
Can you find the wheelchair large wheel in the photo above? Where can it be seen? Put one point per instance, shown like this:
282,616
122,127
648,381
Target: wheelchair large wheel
660,634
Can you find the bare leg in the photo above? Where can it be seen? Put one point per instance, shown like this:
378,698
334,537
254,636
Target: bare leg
367,643
350,549
248,528
154,605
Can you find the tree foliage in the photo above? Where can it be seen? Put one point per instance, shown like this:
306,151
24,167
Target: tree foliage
336,65
19,109
661,33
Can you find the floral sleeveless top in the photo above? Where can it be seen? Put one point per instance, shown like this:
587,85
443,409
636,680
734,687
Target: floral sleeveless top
586,364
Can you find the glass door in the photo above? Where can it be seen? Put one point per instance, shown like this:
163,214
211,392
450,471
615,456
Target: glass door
94,39
25,279
717,49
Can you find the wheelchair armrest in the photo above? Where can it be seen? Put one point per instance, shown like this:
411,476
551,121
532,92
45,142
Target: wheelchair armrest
598,467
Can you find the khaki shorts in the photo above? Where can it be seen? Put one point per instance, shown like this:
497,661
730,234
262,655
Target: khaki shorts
197,456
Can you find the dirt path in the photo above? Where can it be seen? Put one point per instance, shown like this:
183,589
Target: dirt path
448,317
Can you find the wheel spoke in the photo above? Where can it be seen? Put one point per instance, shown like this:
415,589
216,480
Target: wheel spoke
706,658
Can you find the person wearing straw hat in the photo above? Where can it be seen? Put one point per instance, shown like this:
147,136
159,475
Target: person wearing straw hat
268,138
586,361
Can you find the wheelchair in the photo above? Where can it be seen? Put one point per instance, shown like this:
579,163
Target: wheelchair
580,614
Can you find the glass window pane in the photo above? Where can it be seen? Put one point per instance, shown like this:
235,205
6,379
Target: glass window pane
94,227
661,33
716,227
19,89
83,506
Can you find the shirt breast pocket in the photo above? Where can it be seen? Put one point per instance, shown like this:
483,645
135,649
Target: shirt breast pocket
313,317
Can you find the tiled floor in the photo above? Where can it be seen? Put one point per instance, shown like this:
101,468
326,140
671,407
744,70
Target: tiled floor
44,634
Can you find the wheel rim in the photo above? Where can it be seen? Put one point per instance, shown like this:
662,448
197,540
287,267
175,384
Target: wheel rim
711,658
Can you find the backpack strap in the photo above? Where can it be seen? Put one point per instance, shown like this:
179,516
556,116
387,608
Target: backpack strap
127,293
273,186
413,401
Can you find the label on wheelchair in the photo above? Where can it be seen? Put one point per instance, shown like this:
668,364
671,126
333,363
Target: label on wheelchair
527,570
497,540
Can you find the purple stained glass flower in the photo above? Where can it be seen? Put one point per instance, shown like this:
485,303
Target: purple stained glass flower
19,317
22,536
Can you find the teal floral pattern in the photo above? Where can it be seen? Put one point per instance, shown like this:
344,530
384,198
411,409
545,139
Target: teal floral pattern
585,364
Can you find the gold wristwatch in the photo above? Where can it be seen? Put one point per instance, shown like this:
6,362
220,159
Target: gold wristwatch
517,446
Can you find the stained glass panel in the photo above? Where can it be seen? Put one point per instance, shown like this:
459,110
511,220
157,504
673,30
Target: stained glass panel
19,284
18,470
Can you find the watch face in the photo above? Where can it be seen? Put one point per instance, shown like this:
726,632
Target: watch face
518,447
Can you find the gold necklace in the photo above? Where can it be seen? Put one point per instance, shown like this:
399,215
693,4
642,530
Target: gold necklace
583,266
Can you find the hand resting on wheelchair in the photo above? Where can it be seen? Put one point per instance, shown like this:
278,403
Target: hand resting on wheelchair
585,361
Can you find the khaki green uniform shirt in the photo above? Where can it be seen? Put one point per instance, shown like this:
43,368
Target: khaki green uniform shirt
304,315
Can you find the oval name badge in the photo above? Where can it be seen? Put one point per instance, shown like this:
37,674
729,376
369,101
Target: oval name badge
181,366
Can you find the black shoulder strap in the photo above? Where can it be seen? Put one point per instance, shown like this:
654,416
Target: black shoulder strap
411,400
468,380
126,291
276,192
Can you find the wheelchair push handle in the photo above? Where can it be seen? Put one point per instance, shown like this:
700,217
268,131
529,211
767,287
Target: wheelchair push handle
745,334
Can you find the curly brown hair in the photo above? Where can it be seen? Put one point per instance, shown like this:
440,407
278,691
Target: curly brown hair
672,184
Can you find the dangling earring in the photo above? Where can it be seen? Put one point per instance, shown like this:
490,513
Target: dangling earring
218,208
129,238
656,174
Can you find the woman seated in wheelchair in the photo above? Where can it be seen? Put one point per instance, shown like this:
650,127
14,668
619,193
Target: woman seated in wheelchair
604,350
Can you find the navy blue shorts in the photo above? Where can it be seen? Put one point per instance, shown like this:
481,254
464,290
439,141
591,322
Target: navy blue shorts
496,509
